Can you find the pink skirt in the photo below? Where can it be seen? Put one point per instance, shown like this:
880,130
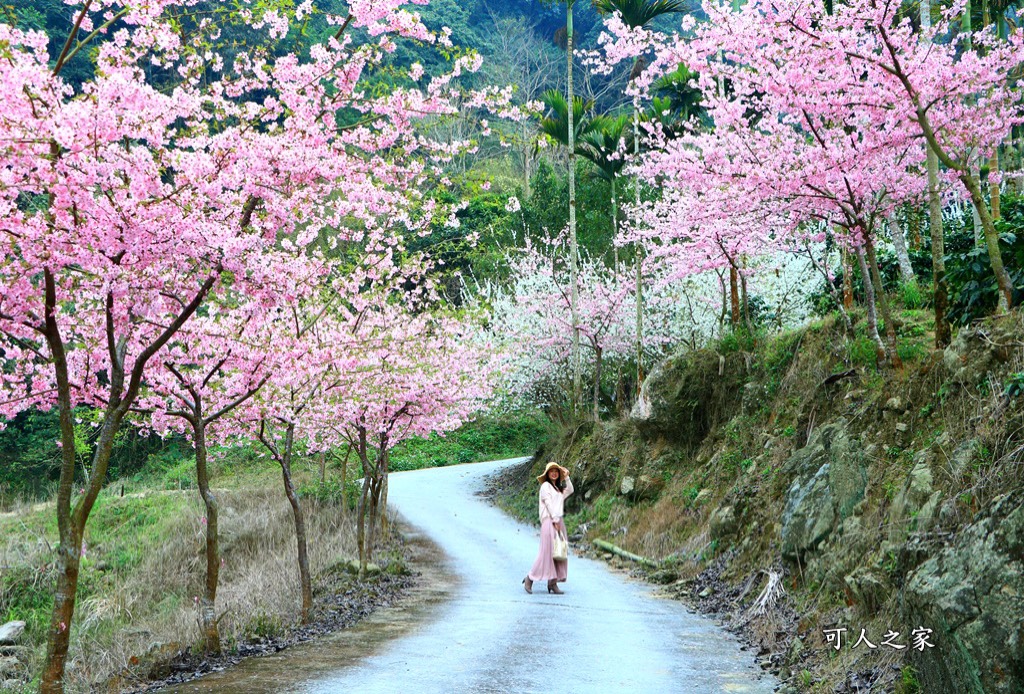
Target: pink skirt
546,568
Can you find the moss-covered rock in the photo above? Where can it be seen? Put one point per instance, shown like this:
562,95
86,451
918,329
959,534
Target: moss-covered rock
971,594
830,479
723,523
686,394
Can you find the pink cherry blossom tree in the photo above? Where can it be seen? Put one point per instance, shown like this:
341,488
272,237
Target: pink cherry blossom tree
130,203
213,366
961,102
789,142
828,115
308,368
412,373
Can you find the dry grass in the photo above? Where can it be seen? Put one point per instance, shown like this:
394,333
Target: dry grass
656,532
152,601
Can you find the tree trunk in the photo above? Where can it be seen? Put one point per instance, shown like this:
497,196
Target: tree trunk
371,529
615,224
979,236
639,257
383,470
993,161
847,280
940,292
746,302
300,524
869,304
991,241
734,295
208,609
361,534
639,320
619,552
364,496
914,225
725,303
71,547
833,292
900,244
63,611
597,382
890,322
385,524
69,550
993,186
573,248
71,522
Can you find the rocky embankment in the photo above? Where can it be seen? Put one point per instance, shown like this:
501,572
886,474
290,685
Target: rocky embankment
798,493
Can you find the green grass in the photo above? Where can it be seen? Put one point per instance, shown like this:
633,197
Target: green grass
862,352
484,439
911,295
1014,386
908,682
26,594
118,534
911,351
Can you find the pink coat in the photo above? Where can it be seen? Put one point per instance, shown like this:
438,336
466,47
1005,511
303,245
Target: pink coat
552,501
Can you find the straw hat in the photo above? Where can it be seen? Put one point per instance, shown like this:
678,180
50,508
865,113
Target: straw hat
563,472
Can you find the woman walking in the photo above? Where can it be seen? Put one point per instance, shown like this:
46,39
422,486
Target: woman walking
555,487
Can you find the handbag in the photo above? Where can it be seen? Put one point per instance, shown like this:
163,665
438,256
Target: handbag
560,547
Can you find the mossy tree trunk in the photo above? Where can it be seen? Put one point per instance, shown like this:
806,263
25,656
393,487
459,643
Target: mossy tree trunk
746,301
734,296
899,242
362,451
207,605
122,392
199,421
892,351
869,305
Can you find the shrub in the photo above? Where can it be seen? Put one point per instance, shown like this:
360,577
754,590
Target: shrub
972,286
911,295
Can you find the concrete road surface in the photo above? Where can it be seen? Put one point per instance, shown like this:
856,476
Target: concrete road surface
606,634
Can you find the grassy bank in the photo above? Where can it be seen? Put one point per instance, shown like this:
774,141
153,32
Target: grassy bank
144,566
490,438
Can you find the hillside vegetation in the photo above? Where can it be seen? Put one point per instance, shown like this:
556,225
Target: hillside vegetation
883,500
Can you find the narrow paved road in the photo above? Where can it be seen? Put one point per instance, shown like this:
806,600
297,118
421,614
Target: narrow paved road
606,634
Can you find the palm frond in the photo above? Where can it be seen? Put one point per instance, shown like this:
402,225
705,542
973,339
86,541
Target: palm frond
640,13
557,125
604,145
